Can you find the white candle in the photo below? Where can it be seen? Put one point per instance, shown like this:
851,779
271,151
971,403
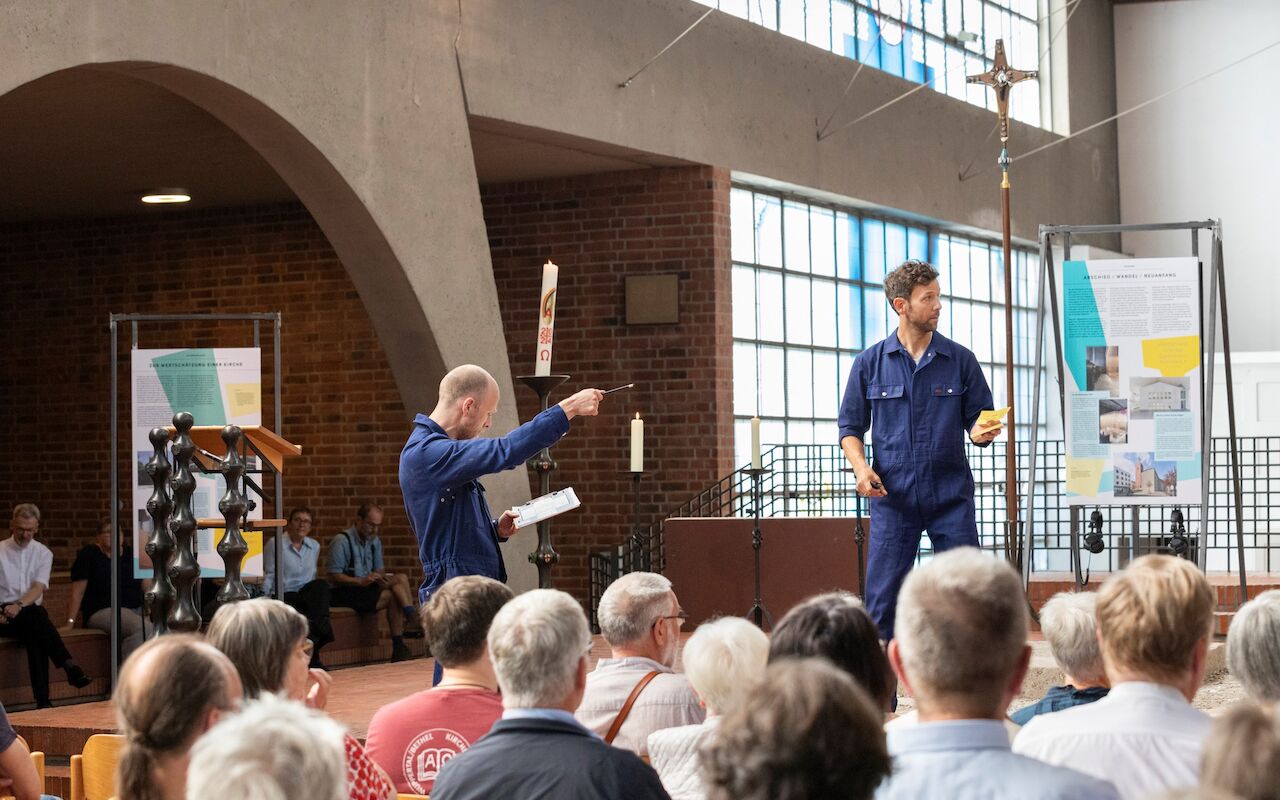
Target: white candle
637,444
546,318
755,443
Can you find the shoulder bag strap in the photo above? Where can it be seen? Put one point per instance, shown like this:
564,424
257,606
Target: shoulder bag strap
626,707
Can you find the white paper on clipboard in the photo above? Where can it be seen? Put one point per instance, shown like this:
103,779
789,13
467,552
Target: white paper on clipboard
545,507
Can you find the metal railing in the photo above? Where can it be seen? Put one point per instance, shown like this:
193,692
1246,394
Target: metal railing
809,480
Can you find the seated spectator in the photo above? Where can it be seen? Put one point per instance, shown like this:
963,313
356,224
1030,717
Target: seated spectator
835,626
25,565
1154,624
539,644
1067,621
640,618
91,590
412,738
161,714
813,733
723,660
302,589
18,776
1242,754
1253,647
267,641
359,580
960,648
272,750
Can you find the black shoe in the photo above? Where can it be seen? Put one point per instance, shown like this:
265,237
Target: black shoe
44,704
410,633
399,652
76,676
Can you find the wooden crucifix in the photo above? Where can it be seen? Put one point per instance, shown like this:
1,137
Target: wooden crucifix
1001,77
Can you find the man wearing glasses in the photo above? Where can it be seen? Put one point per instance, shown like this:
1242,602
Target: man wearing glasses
359,579
637,690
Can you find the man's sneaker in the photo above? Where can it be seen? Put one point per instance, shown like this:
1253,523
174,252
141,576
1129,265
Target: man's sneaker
399,652
76,676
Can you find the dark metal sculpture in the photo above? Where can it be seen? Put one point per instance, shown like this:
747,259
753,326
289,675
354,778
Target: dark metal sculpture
160,546
233,505
185,568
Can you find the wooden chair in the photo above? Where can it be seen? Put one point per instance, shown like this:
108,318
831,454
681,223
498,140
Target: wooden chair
93,772
37,758
412,797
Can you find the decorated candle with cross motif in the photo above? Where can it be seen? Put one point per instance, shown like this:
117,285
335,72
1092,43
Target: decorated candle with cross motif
546,318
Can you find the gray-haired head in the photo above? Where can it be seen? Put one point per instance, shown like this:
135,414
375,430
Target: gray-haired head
631,605
1253,647
723,659
467,380
274,749
1070,627
26,511
961,630
537,643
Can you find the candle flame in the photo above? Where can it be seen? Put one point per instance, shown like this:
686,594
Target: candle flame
637,415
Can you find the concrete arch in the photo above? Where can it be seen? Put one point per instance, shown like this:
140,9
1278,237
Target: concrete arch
359,108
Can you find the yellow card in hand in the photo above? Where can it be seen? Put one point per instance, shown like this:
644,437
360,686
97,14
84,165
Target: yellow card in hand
987,419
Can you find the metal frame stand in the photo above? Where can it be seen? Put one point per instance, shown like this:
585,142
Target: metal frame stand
114,321
1217,299
757,613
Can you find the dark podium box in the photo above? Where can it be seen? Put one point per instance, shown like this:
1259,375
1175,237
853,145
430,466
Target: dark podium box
710,562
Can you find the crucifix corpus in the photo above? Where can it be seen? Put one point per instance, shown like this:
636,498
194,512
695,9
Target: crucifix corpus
1001,77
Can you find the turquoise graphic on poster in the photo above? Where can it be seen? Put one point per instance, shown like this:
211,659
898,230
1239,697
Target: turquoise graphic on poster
1082,325
190,381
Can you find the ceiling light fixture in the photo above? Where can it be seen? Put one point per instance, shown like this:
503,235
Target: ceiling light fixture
162,196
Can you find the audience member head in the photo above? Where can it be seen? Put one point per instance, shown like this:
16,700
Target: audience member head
368,520
161,715
1253,647
814,734
961,636
272,750
1154,622
468,399
24,524
300,522
723,660
1242,755
267,642
639,615
456,619
1069,624
836,627
538,644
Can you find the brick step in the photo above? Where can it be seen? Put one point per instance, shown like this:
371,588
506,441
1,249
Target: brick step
57,779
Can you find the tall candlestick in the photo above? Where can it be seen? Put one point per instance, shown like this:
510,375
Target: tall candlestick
637,444
546,318
755,443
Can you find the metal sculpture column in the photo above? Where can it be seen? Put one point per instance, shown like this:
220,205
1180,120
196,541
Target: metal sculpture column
185,616
757,613
545,556
233,505
160,546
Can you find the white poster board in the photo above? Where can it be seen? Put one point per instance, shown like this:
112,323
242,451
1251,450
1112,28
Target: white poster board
218,386
1132,366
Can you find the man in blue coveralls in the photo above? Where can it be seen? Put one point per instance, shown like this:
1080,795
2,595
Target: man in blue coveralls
443,461
921,394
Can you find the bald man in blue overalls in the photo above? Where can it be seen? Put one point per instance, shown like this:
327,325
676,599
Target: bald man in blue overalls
921,394
443,461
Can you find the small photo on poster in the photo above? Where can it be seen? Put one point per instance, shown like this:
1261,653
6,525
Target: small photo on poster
1113,421
1102,370
1149,395
1141,475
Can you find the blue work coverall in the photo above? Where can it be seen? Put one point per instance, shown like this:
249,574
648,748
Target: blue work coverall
439,478
920,416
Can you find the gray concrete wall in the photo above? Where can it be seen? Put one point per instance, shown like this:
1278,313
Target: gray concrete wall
1207,151
734,94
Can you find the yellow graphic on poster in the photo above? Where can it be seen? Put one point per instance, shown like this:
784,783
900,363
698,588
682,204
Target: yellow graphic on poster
244,398
1084,475
1172,357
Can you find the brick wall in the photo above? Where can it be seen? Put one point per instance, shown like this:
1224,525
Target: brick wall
58,283
600,229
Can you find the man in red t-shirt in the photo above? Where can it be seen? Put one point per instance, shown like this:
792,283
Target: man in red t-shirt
413,738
